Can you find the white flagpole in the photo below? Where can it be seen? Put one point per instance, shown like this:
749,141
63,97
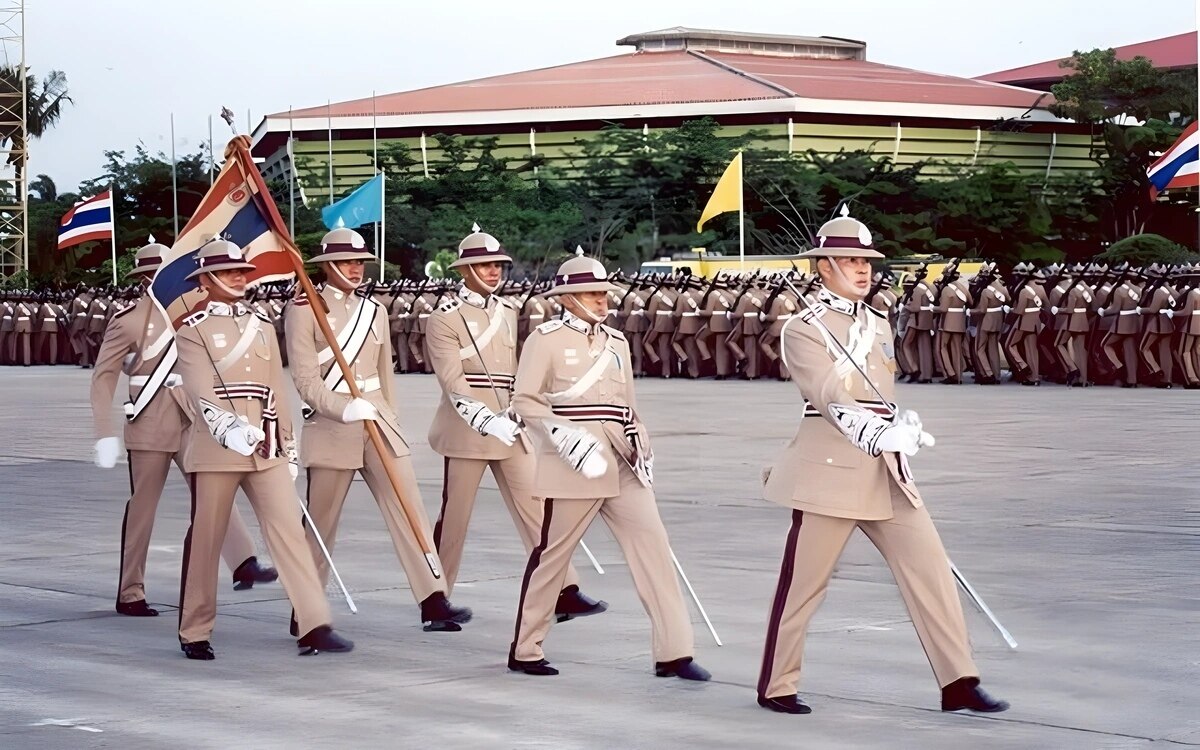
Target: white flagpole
329,124
291,177
741,214
174,178
378,171
112,213
382,221
212,165
424,158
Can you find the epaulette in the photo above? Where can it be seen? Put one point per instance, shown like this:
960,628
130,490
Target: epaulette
550,326
611,332
450,306
123,311
510,303
195,318
816,310
262,315
878,313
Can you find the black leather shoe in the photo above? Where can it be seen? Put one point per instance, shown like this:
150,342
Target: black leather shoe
573,603
250,573
785,704
685,669
439,615
324,638
966,693
137,608
539,668
294,627
198,650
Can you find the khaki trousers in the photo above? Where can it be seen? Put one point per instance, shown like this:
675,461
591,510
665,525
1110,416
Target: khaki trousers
633,518
950,353
911,547
273,497
327,489
987,353
460,485
918,349
147,476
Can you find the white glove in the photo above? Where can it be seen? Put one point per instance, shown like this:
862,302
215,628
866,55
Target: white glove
293,460
1138,310
1100,311
1007,309
1054,309
486,422
911,418
1169,313
580,449
359,410
107,450
900,438
242,438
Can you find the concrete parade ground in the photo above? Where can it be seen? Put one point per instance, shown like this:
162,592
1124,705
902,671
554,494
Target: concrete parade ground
1075,513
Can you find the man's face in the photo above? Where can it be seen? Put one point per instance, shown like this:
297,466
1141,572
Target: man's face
483,278
351,271
582,303
846,277
235,280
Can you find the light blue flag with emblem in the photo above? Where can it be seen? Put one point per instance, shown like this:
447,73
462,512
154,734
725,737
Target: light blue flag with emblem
363,206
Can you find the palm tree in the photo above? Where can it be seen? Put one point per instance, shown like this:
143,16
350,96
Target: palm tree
44,187
45,100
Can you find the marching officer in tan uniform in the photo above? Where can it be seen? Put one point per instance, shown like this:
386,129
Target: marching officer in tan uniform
574,390
988,317
241,436
660,315
1187,318
1120,344
847,468
334,445
140,343
918,335
1072,320
717,326
1021,347
472,344
951,308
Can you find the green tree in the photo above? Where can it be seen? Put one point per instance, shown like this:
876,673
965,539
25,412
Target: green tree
45,100
1144,249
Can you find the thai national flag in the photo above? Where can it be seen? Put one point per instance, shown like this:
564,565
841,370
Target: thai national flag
88,220
1179,166
239,208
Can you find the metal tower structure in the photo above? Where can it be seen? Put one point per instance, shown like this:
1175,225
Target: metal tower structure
14,141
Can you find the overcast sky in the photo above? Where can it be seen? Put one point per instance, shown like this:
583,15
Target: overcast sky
131,63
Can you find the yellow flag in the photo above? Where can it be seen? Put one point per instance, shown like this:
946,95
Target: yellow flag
727,195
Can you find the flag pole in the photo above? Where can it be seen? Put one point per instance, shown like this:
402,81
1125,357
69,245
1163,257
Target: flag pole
291,177
174,179
212,163
382,222
329,125
316,304
741,215
112,215
377,170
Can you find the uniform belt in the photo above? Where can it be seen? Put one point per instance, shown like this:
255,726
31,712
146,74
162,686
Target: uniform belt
927,308
1128,312
139,381
481,380
366,386
956,309
995,309
750,315
876,407
1078,310
594,412
690,315
635,312
664,312
23,317
95,315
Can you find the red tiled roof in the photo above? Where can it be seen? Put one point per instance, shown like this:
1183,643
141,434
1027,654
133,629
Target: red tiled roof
860,80
1177,51
681,77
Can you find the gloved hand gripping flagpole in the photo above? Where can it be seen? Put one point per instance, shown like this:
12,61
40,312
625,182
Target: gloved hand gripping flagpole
238,149
958,576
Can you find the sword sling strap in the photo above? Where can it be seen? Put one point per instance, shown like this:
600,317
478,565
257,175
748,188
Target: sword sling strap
154,383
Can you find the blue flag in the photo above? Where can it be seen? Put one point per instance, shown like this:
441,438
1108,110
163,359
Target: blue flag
363,206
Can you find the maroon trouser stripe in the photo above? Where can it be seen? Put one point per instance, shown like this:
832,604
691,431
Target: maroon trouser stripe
535,558
437,527
124,524
786,573
187,548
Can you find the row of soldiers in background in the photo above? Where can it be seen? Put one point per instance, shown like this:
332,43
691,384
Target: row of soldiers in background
1078,325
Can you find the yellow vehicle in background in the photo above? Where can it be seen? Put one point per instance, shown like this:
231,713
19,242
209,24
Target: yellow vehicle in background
708,265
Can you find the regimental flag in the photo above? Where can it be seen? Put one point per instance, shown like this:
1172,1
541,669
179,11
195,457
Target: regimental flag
727,195
363,206
88,220
1179,166
239,208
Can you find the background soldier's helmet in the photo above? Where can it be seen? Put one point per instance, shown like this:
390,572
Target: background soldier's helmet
148,259
220,255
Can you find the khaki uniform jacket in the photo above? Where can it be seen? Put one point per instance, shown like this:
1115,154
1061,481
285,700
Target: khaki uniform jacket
745,317
952,306
557,356
251,384
327,442
716,310
24,317
633,312
660,312
920,307
687,311
821,471
1077,306
460,372
1028,309
885,302
97,315
1124,302
988,313
783,307
1152,313
161,424
1187,317
7,313
77,313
